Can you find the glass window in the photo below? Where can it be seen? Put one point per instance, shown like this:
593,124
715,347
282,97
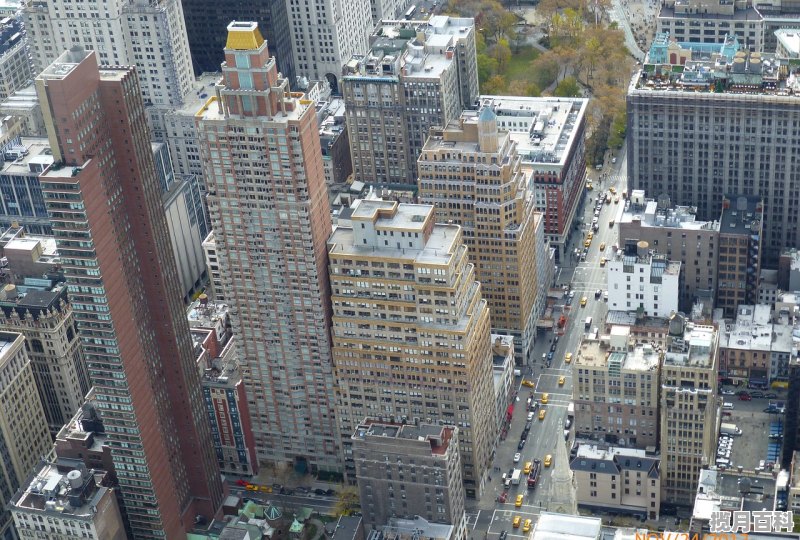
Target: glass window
242,60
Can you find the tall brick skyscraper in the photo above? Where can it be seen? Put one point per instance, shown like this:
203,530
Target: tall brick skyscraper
269,209
104,202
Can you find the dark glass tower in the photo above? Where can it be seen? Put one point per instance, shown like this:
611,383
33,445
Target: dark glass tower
206,21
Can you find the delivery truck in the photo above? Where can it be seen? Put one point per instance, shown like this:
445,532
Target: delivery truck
729,429
515,477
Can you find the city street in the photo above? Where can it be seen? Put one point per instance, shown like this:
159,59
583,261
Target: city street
488,517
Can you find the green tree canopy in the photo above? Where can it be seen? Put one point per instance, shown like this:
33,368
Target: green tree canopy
568,88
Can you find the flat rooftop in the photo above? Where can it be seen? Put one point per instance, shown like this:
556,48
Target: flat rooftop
699,352
37,156
544,128
566,527
648,214
752,329
596,353
21,100
414,48
629,318
202,90
438,436
404,216
742,216
744,78
51,492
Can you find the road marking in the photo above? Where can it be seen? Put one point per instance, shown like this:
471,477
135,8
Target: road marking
475,523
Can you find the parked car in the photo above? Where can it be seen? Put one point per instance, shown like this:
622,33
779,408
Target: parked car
727,413
771,395
521,444
745,397
517,457
728,393
319,491
303,489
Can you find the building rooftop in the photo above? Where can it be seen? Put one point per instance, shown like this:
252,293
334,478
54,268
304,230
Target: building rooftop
566,527
789,39
74,495
403,216
613,460
727,491
694,349
438,248
597,353
639,253
22,100
197,98
752,329
243,36
408,529
631,318
747,74
649,213
11,33
437,436
414,49
544,128
33,298
30,157
741,215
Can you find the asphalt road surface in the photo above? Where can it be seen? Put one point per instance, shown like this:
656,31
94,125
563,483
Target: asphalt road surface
488,517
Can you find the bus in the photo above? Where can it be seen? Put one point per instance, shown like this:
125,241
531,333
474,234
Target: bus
410,12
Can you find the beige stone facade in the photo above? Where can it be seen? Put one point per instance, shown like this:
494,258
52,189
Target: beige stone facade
689,405
625,480
616,392
411,338
46,320
24,437
472,173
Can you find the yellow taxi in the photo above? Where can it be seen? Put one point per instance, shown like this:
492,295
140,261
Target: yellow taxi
527,383
542,413
548,459
583,300
613,190
545,398
518,502
602,261
527,526
590,235
589,187
528,467
562,380
602,246
587,242
516,522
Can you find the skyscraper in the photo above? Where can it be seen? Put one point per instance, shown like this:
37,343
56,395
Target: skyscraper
417,74
472,173
411,337
271,219
715,129
150,35
206,20
104,201
689,405
24,438
325,34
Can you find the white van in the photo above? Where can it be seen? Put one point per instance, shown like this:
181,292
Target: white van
727,406
588,322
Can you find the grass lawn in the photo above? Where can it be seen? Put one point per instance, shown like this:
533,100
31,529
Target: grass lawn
519,67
